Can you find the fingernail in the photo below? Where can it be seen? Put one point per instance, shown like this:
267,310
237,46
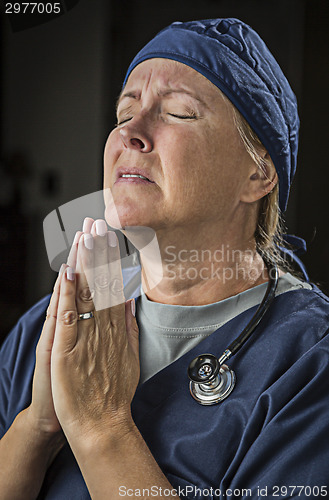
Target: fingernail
112,239
88,241
76,237
101,228
61,270
70,273
133,307
86,225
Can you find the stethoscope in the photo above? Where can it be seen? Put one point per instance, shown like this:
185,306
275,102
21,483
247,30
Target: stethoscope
211,381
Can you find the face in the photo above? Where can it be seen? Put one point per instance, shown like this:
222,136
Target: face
177,132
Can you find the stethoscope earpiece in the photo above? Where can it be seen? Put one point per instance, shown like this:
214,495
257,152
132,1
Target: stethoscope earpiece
210,382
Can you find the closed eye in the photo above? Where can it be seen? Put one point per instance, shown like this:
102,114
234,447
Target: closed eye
182,117
123,121
175,115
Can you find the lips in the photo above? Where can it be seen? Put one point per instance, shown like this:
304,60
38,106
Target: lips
133,174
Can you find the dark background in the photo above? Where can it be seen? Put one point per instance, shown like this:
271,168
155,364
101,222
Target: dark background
59,82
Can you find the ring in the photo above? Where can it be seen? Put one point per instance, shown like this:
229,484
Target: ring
85,315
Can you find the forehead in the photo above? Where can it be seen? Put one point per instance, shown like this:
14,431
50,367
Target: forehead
161,74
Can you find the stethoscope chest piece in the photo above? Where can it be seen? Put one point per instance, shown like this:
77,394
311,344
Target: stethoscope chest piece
210,382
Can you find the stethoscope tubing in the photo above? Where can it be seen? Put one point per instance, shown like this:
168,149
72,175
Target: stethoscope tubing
273,272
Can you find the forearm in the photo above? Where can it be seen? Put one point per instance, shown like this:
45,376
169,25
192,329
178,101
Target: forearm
120,464
25,455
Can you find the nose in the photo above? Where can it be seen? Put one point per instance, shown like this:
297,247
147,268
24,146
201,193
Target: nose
134,136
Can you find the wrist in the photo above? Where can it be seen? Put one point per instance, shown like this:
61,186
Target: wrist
95,437
40,423
48,440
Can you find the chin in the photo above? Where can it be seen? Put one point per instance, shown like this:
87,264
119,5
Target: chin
120,217
119,212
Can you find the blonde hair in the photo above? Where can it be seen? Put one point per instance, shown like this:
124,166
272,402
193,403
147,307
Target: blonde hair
269,229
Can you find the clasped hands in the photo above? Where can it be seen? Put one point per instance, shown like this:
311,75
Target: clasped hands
87,370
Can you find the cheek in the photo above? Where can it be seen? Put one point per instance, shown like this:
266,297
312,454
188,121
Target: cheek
184,161
205,166
111,154
191,154
225,160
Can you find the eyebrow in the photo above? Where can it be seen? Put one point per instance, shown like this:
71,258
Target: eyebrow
167,92
133,95
160,93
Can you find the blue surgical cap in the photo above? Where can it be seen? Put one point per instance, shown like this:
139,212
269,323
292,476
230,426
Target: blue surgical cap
235,59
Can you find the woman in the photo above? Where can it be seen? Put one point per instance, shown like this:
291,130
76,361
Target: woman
110,413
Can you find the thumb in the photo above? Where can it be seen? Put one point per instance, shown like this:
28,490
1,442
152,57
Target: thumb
131,326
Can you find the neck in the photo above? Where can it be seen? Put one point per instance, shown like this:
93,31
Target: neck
199,271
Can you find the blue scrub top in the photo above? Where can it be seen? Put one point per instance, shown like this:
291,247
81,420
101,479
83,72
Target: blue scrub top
271,433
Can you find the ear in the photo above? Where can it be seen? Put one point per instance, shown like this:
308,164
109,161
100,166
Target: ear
261,181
